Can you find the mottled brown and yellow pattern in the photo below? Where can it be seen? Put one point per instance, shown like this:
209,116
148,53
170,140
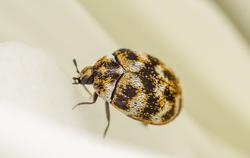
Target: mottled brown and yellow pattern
148,91
106,73
139,85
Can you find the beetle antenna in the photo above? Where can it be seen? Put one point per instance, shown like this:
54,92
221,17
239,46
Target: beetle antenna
77,70
75,63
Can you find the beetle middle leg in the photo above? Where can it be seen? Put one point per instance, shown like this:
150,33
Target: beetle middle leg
82,103
108,118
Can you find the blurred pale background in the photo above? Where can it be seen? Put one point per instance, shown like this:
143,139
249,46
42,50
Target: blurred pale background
205,42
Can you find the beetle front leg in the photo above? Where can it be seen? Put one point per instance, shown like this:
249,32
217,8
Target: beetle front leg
78,81
94,100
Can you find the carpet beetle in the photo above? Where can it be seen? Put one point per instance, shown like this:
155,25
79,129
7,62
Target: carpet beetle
139,85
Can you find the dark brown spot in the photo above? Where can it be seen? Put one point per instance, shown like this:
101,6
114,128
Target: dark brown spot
123,50
145,75
129,91
154,61
100,86
111,65
114,76
169,75
121,101
169,114
170,96
152,107
131,55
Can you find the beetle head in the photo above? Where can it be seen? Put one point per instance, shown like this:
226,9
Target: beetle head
85,76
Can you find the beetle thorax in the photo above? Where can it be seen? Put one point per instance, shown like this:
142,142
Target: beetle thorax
106,74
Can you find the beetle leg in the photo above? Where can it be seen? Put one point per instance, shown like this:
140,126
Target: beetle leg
86,89
108,118
77,81
94,100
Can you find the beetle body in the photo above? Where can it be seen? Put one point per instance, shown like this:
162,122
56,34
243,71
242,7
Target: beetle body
138,85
